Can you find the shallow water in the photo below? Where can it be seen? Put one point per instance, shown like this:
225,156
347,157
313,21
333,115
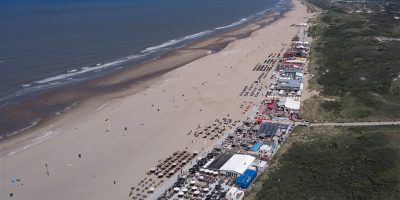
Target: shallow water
46,44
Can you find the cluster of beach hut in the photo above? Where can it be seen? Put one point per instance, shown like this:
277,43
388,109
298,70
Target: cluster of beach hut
243,138
201,184
214,130
173,164
253,90
246,106
144,187
283,96
164,169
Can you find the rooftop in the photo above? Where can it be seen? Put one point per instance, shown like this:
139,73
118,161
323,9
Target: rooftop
288,84
238,163
292,103
220,161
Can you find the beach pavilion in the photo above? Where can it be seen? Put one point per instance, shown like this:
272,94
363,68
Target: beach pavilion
237,165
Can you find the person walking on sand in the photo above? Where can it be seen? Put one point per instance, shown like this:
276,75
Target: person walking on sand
47,169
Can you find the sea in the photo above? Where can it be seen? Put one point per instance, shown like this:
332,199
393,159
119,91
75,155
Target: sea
47,44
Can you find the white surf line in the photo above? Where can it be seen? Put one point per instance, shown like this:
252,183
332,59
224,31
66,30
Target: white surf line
101,107
34,142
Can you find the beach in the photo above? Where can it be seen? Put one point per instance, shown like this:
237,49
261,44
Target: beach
105,146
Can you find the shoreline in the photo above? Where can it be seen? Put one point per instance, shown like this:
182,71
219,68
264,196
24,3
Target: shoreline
156,117
126,81
36,109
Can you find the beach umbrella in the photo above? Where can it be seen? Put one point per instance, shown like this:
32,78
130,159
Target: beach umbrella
197,174
201,177
180,194
194,188
171,172
160,175
216,173
192,182
151,190
201,170
206,171
173,164
196,192
176,189
184,190
206,189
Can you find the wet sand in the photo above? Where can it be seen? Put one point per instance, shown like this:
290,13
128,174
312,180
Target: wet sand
157,111
43,107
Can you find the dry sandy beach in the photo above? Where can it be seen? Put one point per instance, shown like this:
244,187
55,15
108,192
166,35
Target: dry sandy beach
157,121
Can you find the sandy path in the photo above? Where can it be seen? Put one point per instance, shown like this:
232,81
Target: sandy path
194,94
394,123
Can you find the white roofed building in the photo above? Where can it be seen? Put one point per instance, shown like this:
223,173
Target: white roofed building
234,194
237,165
291,104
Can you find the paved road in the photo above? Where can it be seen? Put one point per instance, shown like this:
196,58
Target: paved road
357,124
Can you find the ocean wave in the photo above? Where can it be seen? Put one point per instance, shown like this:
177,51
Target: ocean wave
176,41
197,35
244,20
32,143
32,124
231,25
77,74
81,71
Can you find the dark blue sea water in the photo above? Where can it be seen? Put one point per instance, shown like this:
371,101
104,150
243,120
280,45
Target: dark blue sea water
48,43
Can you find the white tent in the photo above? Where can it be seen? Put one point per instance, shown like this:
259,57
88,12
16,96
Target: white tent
292,104
296,61
237,164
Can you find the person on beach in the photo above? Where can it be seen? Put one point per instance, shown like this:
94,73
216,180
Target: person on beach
47,169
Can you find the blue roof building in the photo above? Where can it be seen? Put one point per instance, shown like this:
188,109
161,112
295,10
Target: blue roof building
245,180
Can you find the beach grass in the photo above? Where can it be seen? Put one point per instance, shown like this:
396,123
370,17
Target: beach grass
353,67
335,163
